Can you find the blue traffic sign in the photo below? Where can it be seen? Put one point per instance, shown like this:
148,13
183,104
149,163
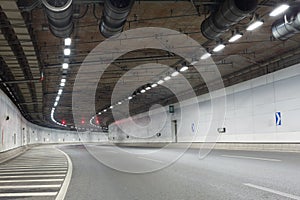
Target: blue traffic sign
278,118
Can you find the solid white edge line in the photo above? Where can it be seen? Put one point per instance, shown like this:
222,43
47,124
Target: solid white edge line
151,159
28,194
252,158
291,196
63,190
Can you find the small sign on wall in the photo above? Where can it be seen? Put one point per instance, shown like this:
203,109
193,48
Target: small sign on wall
278,119
171,109
193,127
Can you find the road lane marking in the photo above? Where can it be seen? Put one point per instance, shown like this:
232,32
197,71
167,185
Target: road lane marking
63,190
291,196
32,180
33,169
30,167
28,186
252,158
34,176
158,161
28,194
33,172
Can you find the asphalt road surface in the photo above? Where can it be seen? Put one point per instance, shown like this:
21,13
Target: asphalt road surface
221,175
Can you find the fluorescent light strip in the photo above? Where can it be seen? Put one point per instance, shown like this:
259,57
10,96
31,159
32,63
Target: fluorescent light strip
218,48
205,56
184,68
160,82
235,37
65,65
279,10
68,41
154,85
254,25
167,78
67,51
176,73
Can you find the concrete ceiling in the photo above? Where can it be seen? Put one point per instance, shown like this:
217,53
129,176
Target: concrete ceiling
31,56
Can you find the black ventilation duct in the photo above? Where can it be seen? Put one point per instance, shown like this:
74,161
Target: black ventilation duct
59,14
286,27
114,16
229,14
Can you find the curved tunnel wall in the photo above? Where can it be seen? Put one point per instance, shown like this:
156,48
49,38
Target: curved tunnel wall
250,114
17,131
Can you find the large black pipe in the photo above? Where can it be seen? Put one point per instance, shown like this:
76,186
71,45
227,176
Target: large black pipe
229,14
59,14
286,27
114,16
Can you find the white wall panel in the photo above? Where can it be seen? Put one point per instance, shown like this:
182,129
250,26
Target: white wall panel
250,111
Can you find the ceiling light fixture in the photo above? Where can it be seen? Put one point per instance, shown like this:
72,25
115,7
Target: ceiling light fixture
111,107
255,25
175,74
60,91
205,56
62,84
119,102
104,110
65,65
148,88
55,104
63,80
194,61
167,78
219,47
130,97
184,68
160,82
154,85
235,37
279,10
143,91
57,98
68,41
67,51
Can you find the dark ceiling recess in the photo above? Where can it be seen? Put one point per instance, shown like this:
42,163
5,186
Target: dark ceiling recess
59,14
229,14
114,16
287,26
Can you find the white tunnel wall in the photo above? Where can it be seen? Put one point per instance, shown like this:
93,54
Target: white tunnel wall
250,113
17,131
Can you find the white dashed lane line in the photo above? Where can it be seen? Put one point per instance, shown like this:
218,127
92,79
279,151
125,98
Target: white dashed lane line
252,158
269,190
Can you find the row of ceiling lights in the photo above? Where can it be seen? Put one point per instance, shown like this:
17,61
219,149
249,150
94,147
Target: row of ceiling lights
142,91
235,37
67,51
256,24
65,66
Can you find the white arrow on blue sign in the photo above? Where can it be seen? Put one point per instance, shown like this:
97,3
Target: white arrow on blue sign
278,118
